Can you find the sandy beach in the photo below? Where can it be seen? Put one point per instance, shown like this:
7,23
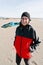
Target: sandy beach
7,36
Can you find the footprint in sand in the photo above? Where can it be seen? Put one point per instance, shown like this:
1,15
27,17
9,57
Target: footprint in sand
34,62
10,59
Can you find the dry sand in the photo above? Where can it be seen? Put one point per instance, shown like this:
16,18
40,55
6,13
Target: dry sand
7,50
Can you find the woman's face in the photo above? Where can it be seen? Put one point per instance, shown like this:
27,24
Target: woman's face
25,20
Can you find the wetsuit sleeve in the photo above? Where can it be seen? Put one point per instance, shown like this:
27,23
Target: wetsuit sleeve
16,32
36,41
34,36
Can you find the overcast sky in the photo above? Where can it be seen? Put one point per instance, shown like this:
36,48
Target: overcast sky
14,8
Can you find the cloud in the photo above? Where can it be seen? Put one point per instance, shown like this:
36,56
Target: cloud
14,8
34,8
